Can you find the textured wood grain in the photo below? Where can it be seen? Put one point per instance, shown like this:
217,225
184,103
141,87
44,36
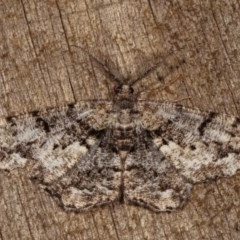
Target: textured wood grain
198,43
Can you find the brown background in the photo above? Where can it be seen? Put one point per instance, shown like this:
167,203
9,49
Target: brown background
198,45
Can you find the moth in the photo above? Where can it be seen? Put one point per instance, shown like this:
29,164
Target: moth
148,153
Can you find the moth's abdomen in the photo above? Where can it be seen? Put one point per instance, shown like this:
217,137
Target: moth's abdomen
124,135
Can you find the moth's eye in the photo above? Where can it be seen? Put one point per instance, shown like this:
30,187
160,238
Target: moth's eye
131,90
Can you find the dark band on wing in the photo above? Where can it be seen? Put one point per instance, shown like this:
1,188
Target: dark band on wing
206,122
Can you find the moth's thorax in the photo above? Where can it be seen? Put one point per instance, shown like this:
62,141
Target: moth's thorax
125,116
124,98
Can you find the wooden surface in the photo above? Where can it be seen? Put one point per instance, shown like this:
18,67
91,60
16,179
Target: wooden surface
198,44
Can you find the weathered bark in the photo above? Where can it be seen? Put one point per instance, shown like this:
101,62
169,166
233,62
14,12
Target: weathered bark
198,43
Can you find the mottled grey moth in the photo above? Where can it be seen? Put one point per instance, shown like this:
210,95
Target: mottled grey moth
148,153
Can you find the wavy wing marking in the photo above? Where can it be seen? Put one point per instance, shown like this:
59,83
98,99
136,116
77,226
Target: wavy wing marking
150,180
200,145
71,154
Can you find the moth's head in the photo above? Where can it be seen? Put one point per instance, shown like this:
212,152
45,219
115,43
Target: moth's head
124,90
